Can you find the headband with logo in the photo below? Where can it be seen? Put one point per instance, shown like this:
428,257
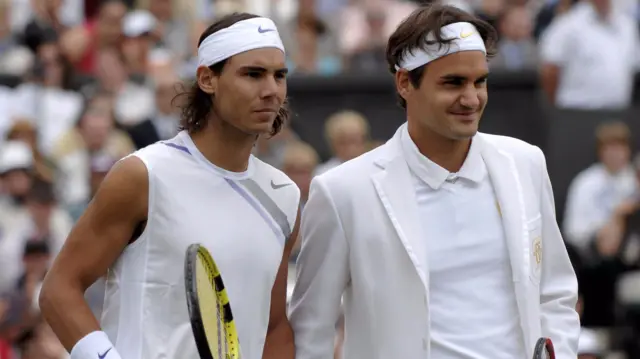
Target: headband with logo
463,35
245,35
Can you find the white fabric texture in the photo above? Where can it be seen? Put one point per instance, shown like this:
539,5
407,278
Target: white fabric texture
463,35
246,35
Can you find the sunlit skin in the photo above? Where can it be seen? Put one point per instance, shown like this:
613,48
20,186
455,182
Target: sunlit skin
247,97
444,112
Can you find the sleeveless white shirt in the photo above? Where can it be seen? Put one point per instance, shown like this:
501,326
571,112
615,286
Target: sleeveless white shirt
244,219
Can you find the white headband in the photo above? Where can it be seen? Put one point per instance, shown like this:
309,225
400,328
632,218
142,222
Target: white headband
245,35
464,36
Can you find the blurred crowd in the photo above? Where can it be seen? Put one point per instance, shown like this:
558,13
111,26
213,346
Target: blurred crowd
85,82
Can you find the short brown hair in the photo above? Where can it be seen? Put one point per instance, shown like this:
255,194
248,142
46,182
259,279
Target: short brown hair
197,104
412,33
613,132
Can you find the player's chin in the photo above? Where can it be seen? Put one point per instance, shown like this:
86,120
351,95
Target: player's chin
261,122
465,130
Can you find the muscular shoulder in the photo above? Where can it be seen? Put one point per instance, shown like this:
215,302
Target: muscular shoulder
164,154
124,191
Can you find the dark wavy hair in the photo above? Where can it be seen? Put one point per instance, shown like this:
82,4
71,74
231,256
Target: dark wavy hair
198,104
411,35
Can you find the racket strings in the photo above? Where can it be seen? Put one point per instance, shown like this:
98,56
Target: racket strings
222,313
217,327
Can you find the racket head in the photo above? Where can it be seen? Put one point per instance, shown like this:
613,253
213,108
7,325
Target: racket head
209,309
544,349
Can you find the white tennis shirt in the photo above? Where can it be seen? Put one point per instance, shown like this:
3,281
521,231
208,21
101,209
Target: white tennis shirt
472,303
244,219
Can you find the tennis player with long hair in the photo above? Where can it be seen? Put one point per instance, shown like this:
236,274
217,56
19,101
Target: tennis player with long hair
203,186
443,243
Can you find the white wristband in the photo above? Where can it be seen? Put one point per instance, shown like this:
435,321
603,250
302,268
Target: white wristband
95,345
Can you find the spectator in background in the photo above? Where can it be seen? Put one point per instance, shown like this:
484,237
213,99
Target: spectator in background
16,169
598,191
172,30
14,59
271,149
16,166
36,257
40,222
94,134
140,35
162,125
490,10
6,351
81,44
614,252
48,97
18,319
364,30
300,162
45,17
311,47
133,101
517,50
40,343
346,133
44,220
548,12
367,54
589,57
24,130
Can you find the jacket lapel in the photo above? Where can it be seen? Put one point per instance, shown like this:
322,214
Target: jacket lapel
395,189
510,200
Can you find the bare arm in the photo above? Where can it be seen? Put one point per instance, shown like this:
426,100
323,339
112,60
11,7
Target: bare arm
94,244
549,77
279,343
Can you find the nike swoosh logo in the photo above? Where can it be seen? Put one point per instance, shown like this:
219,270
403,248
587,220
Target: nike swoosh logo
464,35
104,355
262,31
278,186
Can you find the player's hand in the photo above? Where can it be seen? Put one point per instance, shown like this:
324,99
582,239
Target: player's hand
609,239
626,208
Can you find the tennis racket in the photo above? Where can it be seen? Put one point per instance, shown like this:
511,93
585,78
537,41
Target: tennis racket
544,349
209,309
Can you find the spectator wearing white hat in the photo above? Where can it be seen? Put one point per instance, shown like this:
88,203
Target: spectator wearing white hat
138,28
16,162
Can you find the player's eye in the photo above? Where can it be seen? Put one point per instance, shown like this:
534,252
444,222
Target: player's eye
453,82
254,74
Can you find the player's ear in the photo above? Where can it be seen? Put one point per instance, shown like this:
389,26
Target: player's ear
207,80
403,85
